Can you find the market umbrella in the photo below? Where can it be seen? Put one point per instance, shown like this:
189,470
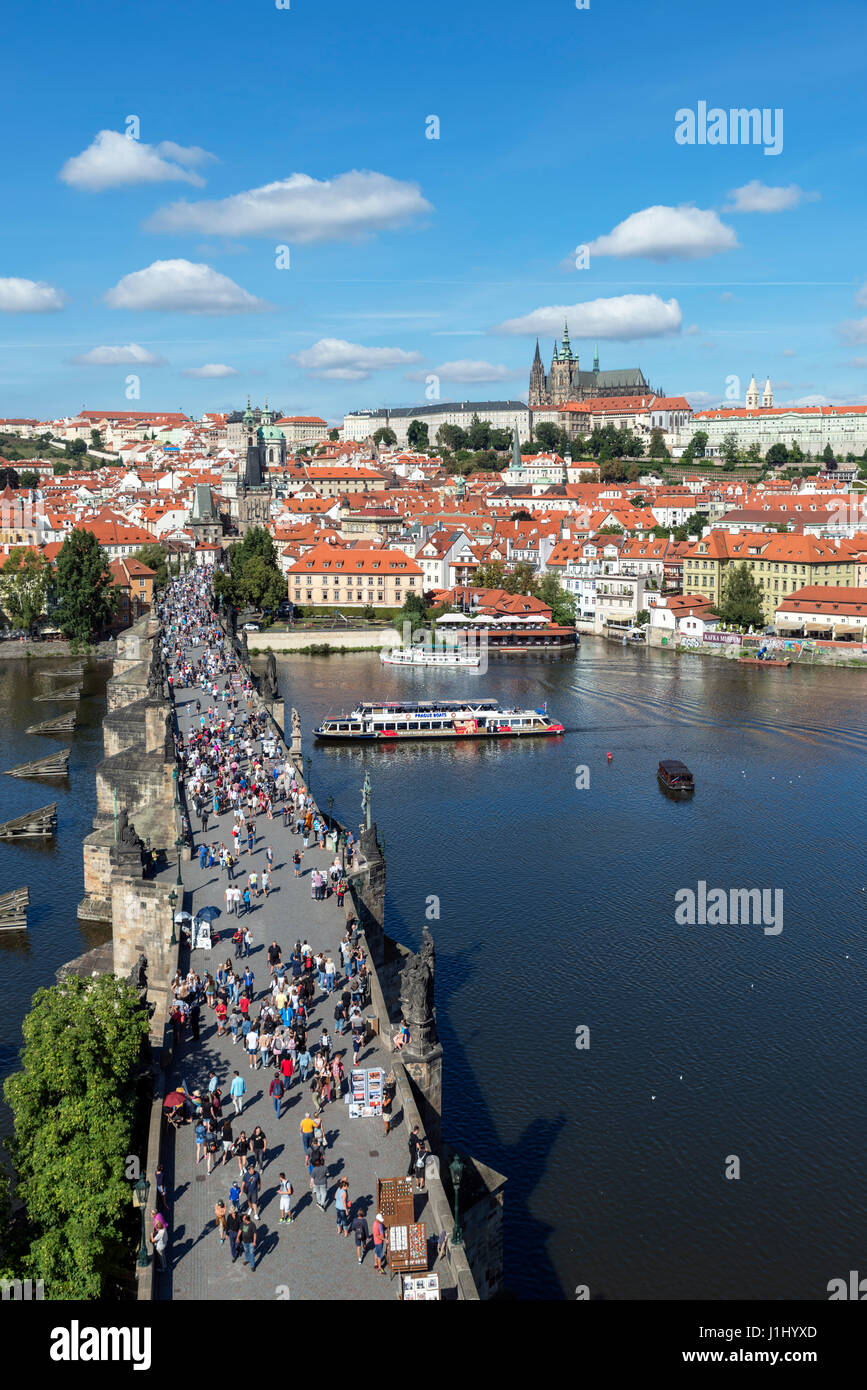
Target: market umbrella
175,1098
207,914
183,916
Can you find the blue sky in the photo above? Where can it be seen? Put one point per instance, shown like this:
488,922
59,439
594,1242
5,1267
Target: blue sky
408,254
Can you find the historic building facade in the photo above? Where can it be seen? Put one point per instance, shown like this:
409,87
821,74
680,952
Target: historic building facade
263,446
566,382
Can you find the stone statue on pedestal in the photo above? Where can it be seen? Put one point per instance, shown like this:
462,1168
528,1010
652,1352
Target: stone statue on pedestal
138,977
271,677
245,655
365,798
417,994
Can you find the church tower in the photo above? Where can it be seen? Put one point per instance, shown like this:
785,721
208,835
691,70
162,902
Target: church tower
767,396
752,398
537,379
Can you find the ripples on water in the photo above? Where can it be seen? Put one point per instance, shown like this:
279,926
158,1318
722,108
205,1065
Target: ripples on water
557,909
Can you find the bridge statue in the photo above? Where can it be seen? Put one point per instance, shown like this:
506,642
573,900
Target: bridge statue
365,798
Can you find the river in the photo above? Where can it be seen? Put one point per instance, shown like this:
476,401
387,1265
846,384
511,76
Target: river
556,903
556,911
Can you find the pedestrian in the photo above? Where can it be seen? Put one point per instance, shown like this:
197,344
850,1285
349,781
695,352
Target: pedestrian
319,1177
361,1232
253,1049
248,1241
251,1185
160,1185
233,1231
195,1015
380,1243
413,1141
160,1238
248,941
227,1138
285,1191
259,1144
269,855
341,1203
421,1155
220,1219
200,1141
246,900
296,861
237,1091
307,1127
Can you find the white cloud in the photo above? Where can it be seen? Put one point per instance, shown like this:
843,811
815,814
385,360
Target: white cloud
29,297
760,197
860,362
726,297
861,296
301,209
114,159
185,287
853,331
210,371
660,233
337,360
693,330
624,316
789,352
701,400
467,370
119,356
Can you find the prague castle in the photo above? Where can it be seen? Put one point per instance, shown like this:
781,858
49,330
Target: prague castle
566,382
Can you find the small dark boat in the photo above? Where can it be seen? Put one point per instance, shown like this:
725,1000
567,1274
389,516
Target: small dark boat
675,777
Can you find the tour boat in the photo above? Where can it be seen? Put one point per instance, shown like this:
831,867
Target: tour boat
387,720
675,777
424,656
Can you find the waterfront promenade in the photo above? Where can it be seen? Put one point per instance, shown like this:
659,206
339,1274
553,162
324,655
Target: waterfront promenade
306,1259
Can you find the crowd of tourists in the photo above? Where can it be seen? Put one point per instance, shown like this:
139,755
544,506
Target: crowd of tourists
231,762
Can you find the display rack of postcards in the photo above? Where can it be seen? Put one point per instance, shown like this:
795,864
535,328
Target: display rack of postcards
364,1096
418,1288
407,1248
396,1200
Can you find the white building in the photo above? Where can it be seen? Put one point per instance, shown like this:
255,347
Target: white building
506,415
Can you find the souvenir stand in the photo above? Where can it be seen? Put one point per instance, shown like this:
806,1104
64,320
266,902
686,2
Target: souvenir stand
418,1288
364,1096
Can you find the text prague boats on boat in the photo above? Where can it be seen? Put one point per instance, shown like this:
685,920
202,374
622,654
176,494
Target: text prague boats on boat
388,719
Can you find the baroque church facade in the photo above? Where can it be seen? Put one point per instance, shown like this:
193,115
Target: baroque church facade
567,382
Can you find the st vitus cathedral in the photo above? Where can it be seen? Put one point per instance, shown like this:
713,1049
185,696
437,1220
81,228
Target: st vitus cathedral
566,381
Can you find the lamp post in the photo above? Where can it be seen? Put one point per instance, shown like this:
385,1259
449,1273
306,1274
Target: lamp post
341,836
177,800
179,844
456,1169
140,1199
330,805
307,772
173,898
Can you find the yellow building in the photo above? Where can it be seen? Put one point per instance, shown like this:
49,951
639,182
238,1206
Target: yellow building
332,575
778,563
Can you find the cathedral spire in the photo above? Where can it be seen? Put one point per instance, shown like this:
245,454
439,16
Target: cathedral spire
556,357
567,346
538,356
596,357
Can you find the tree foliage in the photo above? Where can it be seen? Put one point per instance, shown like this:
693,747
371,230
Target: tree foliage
741,601
73,1105
386,435
24,585
417,435
87,596
254,575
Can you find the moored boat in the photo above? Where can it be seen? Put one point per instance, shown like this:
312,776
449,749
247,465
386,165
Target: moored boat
675,777
388,720
423,656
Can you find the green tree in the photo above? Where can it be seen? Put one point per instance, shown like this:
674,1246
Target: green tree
156,559
452,436
479,434
29,478
24,584
413,610
642,617
490,575
417,435
698,444
501,440
547,436
60,469
778,453
729,448
334,435
386,436
73,1106
754,453
695,524
796,453
261,584
741,601
95,439
520,580
562,604
88,598
828,455
76,447
657,444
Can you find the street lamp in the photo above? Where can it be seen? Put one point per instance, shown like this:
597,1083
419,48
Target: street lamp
456,1169
330,804
341,836
177,801
179,844
173,898
307,772
140,1199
